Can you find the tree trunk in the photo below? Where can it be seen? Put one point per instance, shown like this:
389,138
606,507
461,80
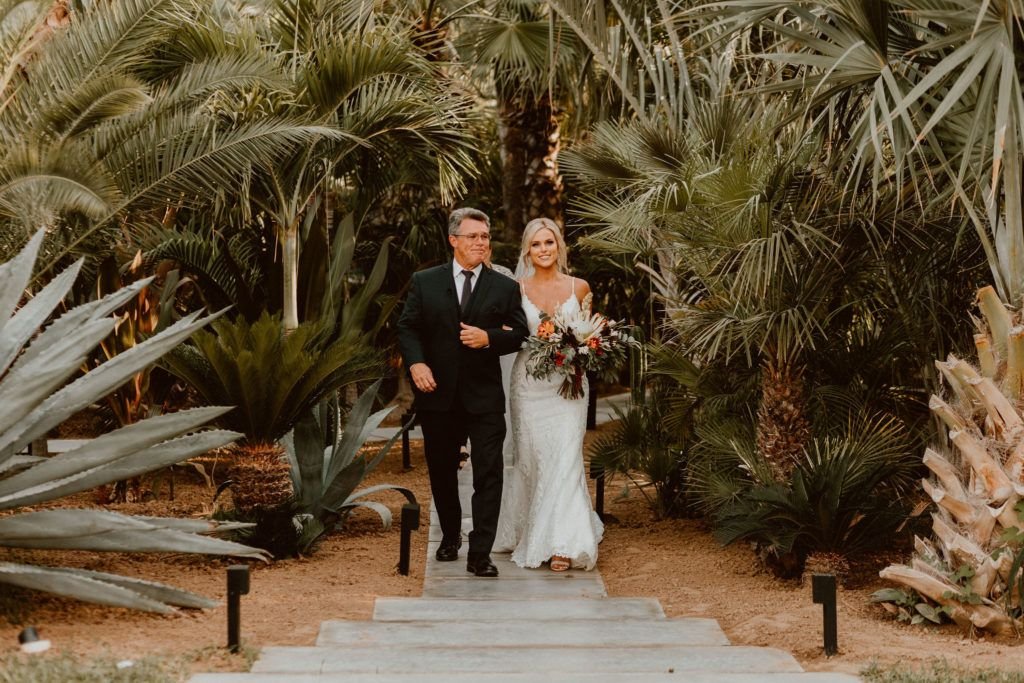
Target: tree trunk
782,425
290,272
531,184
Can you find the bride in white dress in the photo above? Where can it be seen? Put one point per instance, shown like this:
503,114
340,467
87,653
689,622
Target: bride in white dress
545,510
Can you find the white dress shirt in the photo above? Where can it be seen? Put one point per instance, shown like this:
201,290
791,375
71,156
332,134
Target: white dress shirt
459,277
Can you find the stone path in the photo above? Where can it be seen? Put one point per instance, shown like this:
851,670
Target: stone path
525,626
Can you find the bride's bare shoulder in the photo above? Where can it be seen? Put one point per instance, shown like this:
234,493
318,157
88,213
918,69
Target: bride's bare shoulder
581,288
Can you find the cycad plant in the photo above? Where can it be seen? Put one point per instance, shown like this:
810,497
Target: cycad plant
35,396
969,566
846,496
275,379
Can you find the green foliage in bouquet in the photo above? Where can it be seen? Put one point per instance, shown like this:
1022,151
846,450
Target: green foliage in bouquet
36,395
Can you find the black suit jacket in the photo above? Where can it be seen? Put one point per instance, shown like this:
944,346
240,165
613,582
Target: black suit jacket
428,332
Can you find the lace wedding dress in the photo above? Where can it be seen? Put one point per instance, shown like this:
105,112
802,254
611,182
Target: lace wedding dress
545,507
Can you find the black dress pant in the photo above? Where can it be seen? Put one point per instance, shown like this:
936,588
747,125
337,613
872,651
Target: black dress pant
443,434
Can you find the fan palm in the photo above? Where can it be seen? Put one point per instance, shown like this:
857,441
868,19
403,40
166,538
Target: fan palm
36,396
920,88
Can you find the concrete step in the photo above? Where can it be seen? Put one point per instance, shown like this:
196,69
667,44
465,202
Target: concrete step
695,677
541,661
574,585
427,609
568,633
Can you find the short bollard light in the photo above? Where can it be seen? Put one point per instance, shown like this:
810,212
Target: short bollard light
410,522
597,473
408,422
823,592
30,641
238,585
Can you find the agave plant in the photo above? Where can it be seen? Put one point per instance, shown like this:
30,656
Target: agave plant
36,396
325,475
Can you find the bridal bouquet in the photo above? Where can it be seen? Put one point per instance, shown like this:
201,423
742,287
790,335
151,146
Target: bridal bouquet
573,344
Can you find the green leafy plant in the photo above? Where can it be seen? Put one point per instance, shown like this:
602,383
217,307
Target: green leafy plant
35,396
844,497
325,473
649,455
909,606
274,378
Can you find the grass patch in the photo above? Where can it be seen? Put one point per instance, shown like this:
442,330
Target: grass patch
937,672
67,668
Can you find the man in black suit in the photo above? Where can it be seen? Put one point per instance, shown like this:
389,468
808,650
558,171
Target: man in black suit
458,319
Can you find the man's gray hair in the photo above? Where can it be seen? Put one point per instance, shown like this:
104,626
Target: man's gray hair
456,217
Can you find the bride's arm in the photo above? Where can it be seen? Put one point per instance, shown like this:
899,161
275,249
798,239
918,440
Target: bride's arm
509,337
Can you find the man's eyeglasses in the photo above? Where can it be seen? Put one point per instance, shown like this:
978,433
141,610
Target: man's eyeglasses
475,237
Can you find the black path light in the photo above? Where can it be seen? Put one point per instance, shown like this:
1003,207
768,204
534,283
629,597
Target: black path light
30,641
238,585
408,422
410,522
597,473
823,592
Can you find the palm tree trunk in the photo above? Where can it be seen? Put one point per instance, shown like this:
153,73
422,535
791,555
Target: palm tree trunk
782,425
530,140
290,267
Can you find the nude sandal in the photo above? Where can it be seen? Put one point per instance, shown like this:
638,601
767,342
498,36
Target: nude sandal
560,564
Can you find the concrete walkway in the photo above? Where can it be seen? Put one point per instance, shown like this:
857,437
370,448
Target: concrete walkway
527,625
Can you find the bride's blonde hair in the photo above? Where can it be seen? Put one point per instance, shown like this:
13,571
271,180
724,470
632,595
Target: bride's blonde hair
524,267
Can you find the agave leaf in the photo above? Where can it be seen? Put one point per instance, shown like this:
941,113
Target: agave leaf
98,382
14,276
211,527
78,587
362,493
20,462
29,384
306,457
137,463
30,317
110,447
101,530
67,325
151,589
352,440
379,508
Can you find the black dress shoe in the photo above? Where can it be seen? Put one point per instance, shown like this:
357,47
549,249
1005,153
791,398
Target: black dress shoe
481,566
448,552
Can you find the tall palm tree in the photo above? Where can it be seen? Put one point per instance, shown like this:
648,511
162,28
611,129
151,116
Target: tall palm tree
532,62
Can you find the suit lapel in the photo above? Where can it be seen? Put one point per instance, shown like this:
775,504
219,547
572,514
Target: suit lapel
451,297
479,293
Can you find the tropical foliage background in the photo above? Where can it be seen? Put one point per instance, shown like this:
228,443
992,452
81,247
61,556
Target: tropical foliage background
797,202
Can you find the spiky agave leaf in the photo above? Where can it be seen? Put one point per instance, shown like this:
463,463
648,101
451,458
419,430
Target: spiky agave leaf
33,400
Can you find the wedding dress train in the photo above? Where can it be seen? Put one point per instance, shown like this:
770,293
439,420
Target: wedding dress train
545,508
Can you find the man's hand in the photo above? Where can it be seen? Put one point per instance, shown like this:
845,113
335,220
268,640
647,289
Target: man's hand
422,377
474,337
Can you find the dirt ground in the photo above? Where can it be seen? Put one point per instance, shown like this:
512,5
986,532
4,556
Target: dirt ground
675,561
